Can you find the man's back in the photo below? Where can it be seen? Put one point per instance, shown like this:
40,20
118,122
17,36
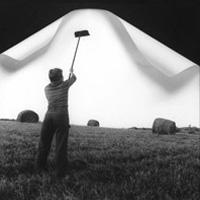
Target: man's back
57,95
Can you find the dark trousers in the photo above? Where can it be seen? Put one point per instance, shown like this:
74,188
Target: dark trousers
54,123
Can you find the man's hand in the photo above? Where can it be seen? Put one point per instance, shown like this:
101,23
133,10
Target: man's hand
72,79
71,74
71,70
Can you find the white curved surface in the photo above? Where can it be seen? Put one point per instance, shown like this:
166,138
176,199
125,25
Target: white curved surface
125,78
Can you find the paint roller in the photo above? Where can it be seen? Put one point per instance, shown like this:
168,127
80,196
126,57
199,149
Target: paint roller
78,34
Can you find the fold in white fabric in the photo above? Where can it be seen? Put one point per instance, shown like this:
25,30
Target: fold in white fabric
147,50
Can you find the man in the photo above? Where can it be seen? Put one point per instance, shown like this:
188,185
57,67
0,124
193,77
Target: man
56,121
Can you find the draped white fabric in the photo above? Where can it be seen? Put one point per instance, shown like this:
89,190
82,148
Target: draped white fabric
125,78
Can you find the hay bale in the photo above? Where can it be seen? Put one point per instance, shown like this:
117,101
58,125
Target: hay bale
164,126
28,116
93,122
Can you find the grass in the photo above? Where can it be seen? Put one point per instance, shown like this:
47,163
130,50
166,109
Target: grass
106,164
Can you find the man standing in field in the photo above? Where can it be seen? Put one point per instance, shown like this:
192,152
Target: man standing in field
56,121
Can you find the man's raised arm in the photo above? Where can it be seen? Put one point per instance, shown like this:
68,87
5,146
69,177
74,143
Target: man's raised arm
71,79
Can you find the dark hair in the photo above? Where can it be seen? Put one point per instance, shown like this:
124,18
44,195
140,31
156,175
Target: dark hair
55,74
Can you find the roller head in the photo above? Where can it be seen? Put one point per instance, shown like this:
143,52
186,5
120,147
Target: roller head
81,33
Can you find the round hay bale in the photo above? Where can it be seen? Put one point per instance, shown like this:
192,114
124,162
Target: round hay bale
93,122
28,116
164,126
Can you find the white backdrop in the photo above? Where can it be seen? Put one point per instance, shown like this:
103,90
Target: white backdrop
125,78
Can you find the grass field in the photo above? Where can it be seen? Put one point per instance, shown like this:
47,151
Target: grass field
106,164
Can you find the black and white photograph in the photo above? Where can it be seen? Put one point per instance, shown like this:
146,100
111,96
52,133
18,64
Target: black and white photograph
100,100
